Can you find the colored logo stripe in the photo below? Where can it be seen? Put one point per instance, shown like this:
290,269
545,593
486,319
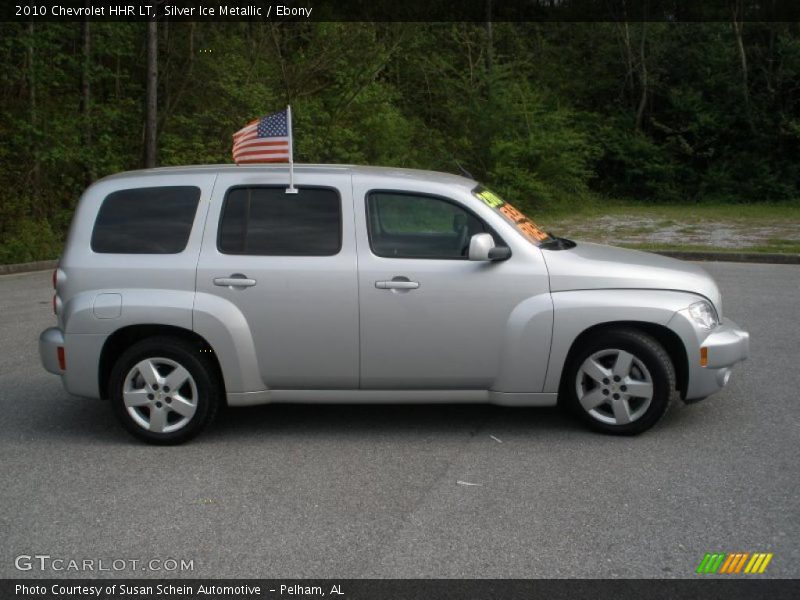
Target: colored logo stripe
733,562
758,563
710,563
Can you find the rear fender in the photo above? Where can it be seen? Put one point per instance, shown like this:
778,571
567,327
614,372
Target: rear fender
227,331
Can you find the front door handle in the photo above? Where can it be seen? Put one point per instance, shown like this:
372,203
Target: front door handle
397,284
237,280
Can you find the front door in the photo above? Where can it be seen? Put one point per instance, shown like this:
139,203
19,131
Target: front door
430,318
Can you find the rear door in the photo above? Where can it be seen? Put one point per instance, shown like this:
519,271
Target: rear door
288,263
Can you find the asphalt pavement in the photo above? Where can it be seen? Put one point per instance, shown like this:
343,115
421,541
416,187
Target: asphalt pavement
373,491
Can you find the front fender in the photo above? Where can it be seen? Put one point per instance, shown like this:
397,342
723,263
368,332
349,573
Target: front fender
576,311
526,346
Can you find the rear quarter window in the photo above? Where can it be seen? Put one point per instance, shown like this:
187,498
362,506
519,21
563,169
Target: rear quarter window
148,220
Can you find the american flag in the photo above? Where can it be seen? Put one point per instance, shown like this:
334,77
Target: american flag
264,140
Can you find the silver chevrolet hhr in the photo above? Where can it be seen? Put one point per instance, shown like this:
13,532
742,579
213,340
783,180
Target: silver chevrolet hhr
183,288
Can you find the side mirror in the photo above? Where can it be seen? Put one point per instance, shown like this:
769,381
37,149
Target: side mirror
481,247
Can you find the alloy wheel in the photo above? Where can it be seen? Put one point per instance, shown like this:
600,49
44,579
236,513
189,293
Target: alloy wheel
614,387
160,395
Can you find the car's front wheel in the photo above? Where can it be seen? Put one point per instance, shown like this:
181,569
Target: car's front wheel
164,390
619,381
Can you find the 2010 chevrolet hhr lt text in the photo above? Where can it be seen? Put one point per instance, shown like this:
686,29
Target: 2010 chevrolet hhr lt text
180,289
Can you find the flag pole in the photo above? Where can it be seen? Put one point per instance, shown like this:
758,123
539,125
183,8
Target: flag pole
291,189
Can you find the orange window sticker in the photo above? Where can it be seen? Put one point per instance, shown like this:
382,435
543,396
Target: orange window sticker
532,232
523,224
512,213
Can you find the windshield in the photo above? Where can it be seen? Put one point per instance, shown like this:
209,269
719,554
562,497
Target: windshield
524,225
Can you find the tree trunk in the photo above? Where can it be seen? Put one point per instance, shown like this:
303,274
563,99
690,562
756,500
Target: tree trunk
643,77
34,119
190,58
279,53
630,78
172,94
489,39
736,11
151,110
117,77
86,117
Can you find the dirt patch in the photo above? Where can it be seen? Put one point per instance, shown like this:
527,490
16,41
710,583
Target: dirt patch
618,229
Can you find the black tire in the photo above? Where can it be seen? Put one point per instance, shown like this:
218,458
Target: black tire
205,394
645,349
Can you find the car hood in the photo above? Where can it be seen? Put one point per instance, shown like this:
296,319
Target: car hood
594,266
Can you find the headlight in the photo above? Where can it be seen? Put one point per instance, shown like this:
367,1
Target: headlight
704,314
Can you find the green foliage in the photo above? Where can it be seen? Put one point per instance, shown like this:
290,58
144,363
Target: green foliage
551,115
541,155
31,241
634,165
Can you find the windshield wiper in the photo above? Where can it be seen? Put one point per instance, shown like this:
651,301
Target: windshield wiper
557,243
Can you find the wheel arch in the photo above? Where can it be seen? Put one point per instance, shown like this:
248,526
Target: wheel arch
671,342
125,337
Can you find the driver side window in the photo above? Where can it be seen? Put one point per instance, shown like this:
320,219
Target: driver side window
407,225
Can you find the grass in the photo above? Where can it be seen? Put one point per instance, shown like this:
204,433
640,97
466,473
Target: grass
764,228
667,215
794,248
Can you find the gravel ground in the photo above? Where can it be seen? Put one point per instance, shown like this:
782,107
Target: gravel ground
716,235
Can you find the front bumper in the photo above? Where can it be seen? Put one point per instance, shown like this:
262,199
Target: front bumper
725,346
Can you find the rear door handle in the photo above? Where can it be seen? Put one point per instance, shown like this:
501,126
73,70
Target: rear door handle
237,280
397,285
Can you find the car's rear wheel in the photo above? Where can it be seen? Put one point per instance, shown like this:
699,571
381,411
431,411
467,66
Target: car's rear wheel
620,381
164,391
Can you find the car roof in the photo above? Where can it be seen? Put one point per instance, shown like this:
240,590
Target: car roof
412,174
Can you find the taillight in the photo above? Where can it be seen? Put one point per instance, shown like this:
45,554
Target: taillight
55,274
62,359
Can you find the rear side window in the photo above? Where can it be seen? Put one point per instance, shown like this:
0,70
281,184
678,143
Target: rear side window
266,221
152,220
